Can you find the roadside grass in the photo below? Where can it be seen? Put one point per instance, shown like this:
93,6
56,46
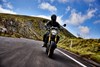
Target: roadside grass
96,57
88,48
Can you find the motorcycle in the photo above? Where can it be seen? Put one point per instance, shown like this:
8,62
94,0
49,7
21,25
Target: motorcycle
52,38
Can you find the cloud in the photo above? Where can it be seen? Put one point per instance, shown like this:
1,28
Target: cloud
47,6
96,22
2,10
63,1
77,18
60,20
38,1
90,13
84,30
43,16
88,1
90,5
72,1
52,1
68,8
7,4
4,0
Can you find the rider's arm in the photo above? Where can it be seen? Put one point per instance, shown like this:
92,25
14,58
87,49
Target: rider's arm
60,27
47,25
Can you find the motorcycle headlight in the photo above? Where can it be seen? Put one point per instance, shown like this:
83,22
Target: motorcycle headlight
54,32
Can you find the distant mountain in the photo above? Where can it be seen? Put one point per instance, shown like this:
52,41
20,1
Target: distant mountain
26,26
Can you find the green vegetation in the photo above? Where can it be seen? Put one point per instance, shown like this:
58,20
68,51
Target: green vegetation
89,48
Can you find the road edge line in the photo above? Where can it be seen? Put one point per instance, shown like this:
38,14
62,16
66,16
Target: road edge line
72,58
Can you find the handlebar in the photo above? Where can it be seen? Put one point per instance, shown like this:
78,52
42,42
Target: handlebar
50,28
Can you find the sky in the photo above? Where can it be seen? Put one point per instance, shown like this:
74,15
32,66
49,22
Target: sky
82,17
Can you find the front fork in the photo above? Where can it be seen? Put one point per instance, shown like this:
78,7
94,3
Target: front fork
55,39
52,44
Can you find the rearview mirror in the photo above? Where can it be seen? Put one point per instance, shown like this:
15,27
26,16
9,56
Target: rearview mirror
64,25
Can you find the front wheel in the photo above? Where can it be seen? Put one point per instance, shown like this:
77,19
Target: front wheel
47,50
50,52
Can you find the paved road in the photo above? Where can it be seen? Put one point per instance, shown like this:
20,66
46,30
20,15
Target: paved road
22,52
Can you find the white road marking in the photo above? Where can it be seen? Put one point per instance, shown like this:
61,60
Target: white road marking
72,58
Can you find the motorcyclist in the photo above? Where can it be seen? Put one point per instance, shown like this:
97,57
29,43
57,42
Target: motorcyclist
48,25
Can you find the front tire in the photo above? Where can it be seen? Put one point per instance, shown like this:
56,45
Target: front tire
50,48
47,50
50,52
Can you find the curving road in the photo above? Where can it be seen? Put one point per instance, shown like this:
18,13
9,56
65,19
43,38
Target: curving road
15,52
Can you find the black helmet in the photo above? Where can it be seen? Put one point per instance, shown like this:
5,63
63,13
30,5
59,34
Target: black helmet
53,17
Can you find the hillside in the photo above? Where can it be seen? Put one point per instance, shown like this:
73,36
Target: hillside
26,27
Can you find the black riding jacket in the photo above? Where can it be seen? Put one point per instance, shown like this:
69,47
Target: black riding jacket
51,23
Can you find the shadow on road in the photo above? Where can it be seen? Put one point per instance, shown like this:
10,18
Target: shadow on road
59,58
1,63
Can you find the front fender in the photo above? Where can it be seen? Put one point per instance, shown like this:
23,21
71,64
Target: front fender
53,44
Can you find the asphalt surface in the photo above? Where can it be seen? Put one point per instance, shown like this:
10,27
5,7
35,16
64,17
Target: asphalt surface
20,52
